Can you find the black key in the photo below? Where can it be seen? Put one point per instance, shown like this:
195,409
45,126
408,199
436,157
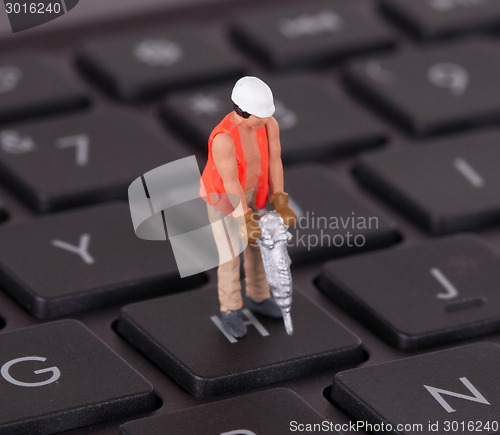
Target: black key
331,221
35,85
317,32
74,261
448,391
308,131
90,158
276,411
447,186
423,295
179,332
147,65
434,90
59,376
438,18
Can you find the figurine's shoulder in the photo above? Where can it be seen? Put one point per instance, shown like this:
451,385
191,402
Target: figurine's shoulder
223,142
272,124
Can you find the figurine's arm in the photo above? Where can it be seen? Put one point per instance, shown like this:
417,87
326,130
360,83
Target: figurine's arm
275,164
225,161
278,198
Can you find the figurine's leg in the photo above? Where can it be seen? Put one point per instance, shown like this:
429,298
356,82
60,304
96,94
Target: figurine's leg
228,273
231,303
228,285
228,278
255,276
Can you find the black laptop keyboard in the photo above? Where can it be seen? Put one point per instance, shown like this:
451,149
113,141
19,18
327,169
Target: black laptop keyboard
389,113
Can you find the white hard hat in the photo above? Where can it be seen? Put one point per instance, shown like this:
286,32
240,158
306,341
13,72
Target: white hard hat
252,95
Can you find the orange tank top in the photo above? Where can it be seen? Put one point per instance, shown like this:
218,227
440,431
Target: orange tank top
211,182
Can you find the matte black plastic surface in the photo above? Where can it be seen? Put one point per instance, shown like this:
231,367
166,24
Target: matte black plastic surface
192,349
312,33
266,412
148,64
33,85
101,262
429,19
81,158
459,191
420,296
440,89
331,221
96,20
90,383
465,380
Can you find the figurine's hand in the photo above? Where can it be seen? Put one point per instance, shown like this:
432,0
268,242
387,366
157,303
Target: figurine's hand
280,202
252,227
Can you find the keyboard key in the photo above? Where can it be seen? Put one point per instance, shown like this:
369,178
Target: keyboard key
317,32
59,376
434,90
307,130
73,261
90,158
331,221
438,18
271,411
182,334
35,85
423,295
439,392
143,66
447,186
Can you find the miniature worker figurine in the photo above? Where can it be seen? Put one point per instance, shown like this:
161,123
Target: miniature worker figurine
244,159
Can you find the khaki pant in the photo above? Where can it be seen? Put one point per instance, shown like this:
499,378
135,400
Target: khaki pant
228,273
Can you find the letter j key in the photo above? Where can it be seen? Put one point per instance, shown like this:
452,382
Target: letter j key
423,295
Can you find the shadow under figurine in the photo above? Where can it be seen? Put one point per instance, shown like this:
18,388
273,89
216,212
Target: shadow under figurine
244,162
